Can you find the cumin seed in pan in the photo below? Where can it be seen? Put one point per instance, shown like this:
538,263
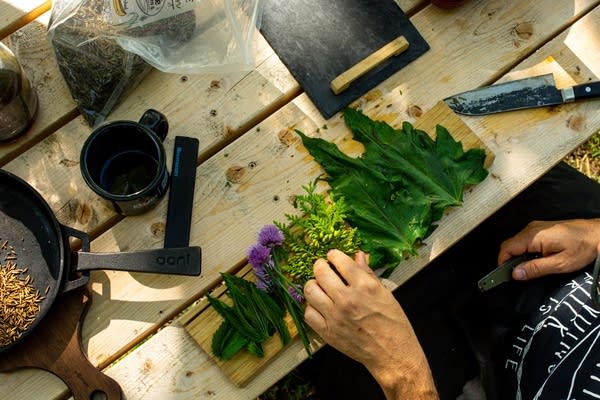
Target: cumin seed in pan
19,300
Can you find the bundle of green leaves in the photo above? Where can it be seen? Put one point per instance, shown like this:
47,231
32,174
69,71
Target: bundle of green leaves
252,318
282,260
319,227
400,186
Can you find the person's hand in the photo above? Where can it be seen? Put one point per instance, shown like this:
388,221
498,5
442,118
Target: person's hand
357,315
565,246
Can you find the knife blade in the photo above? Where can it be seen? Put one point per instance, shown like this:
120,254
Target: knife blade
503,273
538,91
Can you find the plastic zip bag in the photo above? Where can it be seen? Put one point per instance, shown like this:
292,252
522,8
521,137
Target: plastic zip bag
96,69
104,48
211,35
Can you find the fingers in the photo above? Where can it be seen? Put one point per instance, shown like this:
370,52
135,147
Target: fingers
328,287
557,263
362,259
315,320
318,304
531,269
347,267
509,251
327,278
565,246
515,246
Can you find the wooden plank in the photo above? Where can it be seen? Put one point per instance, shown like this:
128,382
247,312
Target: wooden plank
224,226
244,367
238,104
210,117
270,165
542,144
222,107
15,14
55,105
52,165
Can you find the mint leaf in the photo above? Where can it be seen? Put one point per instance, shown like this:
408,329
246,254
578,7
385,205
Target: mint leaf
227,341
252,318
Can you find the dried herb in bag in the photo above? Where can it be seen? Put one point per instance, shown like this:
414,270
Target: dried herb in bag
97,70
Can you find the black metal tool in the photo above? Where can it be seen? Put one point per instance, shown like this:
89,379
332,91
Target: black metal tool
181,195
504,272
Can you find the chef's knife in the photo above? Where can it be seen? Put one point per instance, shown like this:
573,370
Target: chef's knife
532,92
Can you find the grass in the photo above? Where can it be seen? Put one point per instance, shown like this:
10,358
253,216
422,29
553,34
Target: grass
586,158
299,385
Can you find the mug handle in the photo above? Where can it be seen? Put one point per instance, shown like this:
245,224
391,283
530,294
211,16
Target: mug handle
156,122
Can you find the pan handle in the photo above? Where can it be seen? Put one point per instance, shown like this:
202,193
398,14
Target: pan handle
74,281
176,261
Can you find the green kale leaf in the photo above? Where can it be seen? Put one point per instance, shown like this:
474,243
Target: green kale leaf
400,186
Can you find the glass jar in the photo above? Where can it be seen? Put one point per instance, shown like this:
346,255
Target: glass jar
18,100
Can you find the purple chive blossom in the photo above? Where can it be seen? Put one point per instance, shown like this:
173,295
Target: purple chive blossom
258,255
259,258
270,236
296,292
263,280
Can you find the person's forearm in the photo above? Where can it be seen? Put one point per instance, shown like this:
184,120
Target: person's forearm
410,379
355,313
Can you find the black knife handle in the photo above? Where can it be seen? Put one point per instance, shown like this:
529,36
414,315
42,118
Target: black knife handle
588,90
181,195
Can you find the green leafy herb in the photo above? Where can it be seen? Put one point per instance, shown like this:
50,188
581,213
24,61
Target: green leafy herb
227,341
321,226
267,258
401,184
252,319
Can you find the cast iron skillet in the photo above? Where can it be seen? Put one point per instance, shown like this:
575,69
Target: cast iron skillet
41,245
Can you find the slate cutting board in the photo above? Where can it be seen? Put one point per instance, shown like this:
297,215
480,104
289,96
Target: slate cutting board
317,40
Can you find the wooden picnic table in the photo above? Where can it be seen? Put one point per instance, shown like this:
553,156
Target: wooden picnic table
135,330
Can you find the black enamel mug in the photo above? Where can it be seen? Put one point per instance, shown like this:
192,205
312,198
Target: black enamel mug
125,162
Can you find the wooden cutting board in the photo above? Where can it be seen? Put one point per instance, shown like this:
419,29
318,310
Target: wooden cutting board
55,346
201,320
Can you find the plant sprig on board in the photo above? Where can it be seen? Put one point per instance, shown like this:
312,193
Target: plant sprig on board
252,318
320,227
267,258
282,262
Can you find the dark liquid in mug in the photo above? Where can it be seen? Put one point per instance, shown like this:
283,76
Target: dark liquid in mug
128,172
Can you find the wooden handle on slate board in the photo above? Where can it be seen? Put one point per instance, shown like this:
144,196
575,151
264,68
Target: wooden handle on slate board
393,48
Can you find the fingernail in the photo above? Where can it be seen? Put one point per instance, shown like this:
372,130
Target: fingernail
519,274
